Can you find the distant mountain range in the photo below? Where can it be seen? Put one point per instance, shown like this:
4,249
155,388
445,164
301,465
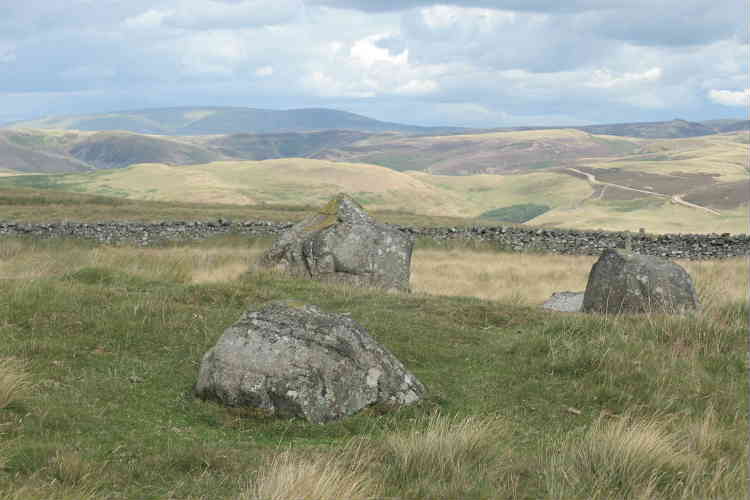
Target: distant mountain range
236,120
670,176
225,120
56,151
569,178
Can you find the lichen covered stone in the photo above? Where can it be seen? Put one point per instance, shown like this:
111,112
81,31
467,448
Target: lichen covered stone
342,243
626,282
297,361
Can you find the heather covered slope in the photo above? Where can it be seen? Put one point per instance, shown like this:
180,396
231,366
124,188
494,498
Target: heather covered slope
486,153
59,151
558,178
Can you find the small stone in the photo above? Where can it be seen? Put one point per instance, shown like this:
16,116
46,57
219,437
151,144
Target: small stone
565,302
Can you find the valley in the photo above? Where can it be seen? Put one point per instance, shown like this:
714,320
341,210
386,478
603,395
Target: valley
678,176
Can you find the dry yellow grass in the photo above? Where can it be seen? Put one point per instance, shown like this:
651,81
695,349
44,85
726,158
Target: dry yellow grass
291,180
437,457
513,278
530,279
722,155
644,458
289,475
664,216
15,381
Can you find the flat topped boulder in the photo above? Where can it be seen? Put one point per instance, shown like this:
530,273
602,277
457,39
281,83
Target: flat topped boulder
342,243
290,359
622,281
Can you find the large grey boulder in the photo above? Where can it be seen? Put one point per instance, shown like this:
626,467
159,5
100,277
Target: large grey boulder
342,243
622,281
293,360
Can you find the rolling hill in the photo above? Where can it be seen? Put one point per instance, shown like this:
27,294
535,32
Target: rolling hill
212,120
488,153
498,152
225,120
703,189
552,177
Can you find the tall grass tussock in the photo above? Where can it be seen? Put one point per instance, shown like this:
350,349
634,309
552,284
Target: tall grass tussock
101,348
15,381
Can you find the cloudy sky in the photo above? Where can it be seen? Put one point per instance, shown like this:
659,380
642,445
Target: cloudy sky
463,62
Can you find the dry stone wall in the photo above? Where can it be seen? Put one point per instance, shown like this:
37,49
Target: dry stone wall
511,238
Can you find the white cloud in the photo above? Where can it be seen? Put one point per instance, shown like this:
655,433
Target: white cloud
213,52
423,61
211,14
325,85
417,87
368,69
149,20
740,98
441,17
605,79
366,53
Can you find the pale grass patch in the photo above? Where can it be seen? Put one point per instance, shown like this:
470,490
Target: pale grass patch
642,458
26,261
511,278
720,281
515,278
292,476
530,279
15,381
447,457
49,492
67,467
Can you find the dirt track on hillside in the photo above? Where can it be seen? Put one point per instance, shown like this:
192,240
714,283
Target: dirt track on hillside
677,198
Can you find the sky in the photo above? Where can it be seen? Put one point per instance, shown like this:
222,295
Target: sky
475,63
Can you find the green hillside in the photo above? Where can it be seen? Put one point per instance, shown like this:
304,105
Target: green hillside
224,120
571,200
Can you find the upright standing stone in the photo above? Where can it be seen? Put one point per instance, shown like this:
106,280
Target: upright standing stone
343,243
626,282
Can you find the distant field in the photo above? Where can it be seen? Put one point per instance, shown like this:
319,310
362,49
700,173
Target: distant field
573,202
585,181
486,153
312,182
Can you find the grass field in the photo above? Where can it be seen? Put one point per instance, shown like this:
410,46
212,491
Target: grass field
101,346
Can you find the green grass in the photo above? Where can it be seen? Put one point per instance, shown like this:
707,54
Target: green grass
637,204
516,213
20,204
112,356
